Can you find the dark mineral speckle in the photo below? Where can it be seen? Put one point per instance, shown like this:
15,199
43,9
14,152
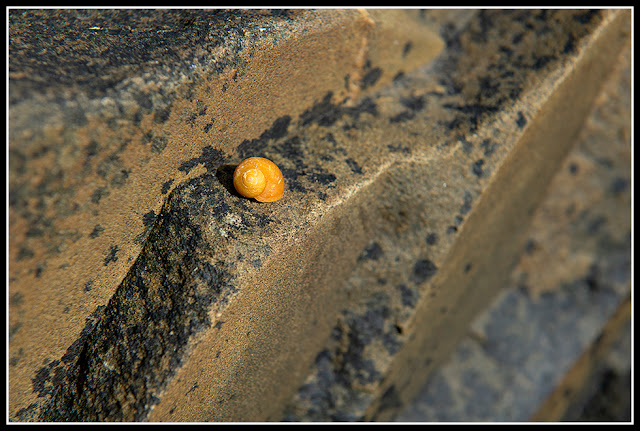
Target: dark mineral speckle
423,270
372,252
476,168
148,218
111,255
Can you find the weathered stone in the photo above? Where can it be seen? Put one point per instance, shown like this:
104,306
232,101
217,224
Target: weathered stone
598,388
329,392
535,350
584,226
110,110
404,211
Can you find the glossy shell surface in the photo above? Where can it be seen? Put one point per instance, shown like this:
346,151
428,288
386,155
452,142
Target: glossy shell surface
259,178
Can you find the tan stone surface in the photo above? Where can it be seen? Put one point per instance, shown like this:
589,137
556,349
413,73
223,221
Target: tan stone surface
540,347
110,110
589,194
494,230
449,308
225,303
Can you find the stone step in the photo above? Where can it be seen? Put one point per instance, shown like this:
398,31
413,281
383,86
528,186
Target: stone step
111,110
542,348
412,168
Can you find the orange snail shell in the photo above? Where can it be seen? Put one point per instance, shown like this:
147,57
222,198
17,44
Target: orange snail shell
259,178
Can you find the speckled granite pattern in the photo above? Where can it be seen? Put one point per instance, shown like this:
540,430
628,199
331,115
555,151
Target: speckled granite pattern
112,109
226,303
348,371
520,348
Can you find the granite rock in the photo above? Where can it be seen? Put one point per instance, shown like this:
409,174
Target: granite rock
145,288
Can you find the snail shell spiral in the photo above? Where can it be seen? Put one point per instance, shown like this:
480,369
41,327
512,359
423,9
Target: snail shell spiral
259,178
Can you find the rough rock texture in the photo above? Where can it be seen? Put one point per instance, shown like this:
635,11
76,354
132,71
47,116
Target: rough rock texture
537,350
142,287
110,110
365,342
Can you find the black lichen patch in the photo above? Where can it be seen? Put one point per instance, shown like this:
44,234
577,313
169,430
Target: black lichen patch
293,150
293,180
166,186
157,143
278,128
595,224
467,267
210,157
402,117
521,121
148,218
37,272
347,364
366,105
467,201
530,246
326,113
354,166
573,168
488,147
473,114
88,286
467,146
372,252
255,147
399,148
111,255
112,170
432,238
16,299
406,48
360,330
47,378
423,270
98,194
619,185
587,17
524,42
97,230
541,61
409,296
414,104
320,397
116,369
476,168
371,77
325,179
13,329
24,253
